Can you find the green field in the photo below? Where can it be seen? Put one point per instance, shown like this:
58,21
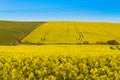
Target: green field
74,33
11,32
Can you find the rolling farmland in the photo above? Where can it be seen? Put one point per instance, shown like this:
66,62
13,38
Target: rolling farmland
73,33
59,62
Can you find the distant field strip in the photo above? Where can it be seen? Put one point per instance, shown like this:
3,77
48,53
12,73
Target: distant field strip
73,33
60,49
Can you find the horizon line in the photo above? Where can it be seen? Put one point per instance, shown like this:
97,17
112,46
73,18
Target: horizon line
58,21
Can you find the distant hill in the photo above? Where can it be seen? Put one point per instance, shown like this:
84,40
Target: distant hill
11,32
74,33
58,32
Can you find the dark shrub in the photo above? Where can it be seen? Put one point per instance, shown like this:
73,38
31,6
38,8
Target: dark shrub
86,42
112,42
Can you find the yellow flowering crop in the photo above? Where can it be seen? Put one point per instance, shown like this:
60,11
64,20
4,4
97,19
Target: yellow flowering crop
59,62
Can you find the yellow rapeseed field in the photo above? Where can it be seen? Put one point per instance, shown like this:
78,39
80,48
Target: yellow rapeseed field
73,32
59,62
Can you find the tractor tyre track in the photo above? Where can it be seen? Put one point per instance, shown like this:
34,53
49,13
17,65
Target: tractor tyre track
43,38
78,32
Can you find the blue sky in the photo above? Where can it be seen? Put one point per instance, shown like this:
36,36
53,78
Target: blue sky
61,10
